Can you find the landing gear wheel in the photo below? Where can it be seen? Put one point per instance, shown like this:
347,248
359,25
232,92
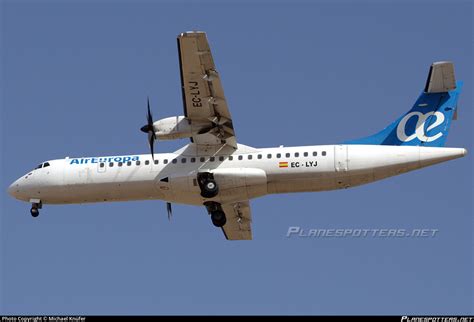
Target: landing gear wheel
34,212
209,189
36,204
210,185
218,218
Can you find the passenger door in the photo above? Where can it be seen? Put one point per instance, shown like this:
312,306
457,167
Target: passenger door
340,158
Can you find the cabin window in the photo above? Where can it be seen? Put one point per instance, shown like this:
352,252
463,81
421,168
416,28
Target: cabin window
259,156
202,159
269,156
249,157
156,161
315,153
324,153
231,158
165,161
174,161
297,154
287,155
137,163
240,157
221,158
305,154
120,164
111,164
183,160
129,163
193,160
212,159
147,162
278,155
101,164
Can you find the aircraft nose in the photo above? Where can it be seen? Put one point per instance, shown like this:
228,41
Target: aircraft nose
14,189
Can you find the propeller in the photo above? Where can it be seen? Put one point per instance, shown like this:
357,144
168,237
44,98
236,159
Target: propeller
148,128
170,211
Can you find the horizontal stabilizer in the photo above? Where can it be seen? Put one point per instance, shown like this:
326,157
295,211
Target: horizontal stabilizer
440,78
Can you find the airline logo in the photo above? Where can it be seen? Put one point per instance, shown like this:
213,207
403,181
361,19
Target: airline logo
104,159
419,131
283,164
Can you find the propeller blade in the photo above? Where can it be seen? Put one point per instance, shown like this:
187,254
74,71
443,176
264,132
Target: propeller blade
151,143
149,116
150,129
169,210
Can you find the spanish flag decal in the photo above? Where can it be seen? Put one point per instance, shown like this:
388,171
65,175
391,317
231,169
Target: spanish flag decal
283,164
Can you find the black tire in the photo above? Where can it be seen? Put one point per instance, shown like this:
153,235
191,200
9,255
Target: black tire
218,218
34,212
209,189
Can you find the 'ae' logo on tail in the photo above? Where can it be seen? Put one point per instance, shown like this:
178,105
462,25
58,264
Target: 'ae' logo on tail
419,131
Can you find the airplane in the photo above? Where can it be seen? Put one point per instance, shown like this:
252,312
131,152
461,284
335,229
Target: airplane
216,172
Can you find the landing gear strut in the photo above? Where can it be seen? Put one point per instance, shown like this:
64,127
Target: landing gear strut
208,185
35,206
217,215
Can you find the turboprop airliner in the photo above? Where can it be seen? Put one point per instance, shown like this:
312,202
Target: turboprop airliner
216,172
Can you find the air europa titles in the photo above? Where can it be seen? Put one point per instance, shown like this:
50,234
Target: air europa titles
105,159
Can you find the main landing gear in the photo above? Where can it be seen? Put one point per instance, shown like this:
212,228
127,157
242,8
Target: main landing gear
208,185
209,189
35,206
217,215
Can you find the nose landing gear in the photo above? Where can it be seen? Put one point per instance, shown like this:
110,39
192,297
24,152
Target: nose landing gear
34,211
35,206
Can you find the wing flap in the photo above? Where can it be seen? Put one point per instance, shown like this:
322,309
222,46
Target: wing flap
239,221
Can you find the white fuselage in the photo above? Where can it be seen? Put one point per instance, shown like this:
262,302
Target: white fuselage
246,173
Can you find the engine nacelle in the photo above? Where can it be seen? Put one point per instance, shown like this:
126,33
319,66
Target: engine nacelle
171,128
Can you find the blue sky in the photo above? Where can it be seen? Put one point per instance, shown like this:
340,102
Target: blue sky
74,82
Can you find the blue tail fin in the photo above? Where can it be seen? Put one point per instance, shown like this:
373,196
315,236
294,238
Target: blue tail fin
428,122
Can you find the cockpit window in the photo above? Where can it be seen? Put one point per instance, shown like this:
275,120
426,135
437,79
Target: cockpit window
42,165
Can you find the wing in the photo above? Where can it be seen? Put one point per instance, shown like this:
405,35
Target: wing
239,221
203,97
